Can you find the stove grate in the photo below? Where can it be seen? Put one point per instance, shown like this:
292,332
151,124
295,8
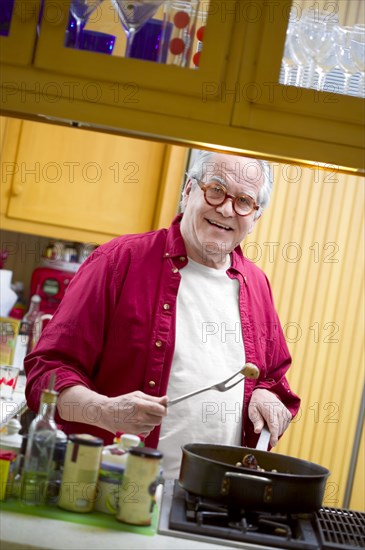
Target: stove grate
341,529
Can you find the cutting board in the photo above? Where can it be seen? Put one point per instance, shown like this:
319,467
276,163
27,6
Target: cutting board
95,519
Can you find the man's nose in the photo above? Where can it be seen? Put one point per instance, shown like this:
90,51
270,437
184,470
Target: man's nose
226,208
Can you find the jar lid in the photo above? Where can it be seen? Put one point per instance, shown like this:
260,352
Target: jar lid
145,452
86,439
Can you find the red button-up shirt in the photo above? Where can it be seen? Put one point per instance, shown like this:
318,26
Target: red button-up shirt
114,331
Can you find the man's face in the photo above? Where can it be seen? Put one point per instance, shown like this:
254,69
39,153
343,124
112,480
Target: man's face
210,232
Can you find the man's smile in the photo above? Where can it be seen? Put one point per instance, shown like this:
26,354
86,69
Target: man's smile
220,225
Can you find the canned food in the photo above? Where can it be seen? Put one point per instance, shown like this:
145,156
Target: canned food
80,474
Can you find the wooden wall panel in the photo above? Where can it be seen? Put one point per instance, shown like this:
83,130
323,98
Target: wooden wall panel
310,243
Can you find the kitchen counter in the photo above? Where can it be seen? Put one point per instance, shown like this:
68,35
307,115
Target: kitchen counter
23,532
20,532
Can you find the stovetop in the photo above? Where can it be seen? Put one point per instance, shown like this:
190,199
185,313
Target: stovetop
187,516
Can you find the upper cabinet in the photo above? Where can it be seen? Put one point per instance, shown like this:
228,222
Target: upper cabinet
86,186
215,81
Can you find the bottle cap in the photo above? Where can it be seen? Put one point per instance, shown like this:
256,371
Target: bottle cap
127,441
49,396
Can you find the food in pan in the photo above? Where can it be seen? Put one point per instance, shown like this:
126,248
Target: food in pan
250,461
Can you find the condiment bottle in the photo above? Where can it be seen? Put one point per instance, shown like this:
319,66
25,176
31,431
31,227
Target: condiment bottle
114,459
80,473
24,340
136,496
39,452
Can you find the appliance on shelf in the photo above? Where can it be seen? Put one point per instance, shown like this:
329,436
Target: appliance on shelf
50,284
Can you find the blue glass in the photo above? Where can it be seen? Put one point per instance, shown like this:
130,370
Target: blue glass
6,11
147,41
89,40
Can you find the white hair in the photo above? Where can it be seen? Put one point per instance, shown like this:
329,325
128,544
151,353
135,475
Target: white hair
198,170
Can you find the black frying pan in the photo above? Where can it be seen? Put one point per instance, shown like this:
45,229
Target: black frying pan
209,470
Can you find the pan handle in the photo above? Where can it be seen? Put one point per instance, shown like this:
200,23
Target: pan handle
248,480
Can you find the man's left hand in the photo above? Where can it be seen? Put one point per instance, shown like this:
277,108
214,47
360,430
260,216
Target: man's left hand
264,407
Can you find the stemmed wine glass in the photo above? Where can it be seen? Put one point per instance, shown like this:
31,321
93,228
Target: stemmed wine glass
133,14
316,35
298,54
357,48
343,54
324,64
81,11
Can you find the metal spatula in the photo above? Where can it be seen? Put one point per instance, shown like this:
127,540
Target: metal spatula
248,371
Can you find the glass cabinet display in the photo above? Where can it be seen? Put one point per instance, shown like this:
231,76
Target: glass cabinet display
325,48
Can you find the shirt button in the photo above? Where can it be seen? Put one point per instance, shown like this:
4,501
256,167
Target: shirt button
182,258
174,270
167,254
158,343
152,383
166,306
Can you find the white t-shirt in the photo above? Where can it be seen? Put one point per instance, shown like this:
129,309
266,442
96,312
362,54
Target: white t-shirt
208,348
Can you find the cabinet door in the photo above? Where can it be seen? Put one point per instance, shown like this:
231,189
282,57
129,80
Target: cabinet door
85,180
308,124
18,31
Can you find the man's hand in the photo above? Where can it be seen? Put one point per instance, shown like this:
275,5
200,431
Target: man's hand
264,407
134,413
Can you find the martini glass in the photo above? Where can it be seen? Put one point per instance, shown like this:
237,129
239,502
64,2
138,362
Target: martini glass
133,14
81,11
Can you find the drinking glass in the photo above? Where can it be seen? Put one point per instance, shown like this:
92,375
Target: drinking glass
297,53
357,48
316,36
81,11
344,55
133,14
8,379
182,17
324,64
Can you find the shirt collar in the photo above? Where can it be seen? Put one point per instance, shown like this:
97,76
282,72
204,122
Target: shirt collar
175,247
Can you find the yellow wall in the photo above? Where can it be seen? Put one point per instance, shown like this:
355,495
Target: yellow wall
310,243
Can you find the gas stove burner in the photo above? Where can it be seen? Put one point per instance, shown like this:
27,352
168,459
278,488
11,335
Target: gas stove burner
341,529
203,517
192,517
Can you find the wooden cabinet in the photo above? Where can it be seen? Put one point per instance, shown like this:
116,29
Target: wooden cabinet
84,185
233,101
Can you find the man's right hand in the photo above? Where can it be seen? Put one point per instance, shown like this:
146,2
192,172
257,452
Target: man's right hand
134,413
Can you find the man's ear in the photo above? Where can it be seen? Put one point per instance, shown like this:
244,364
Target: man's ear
253,223
188,187
186,192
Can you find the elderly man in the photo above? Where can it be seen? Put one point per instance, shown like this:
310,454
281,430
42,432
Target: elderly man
152,316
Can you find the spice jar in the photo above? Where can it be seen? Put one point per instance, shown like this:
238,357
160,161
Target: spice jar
80,474
136,495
